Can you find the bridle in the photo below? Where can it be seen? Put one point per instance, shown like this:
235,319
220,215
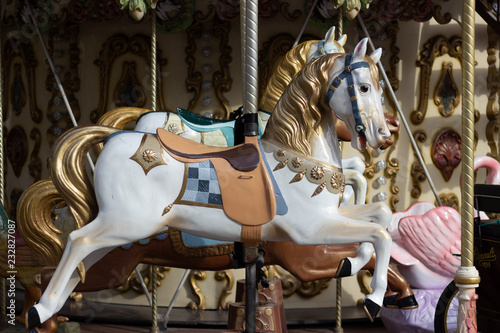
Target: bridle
347,73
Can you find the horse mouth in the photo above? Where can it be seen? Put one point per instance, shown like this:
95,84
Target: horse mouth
361,141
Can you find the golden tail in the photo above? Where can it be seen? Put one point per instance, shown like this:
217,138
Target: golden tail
34,219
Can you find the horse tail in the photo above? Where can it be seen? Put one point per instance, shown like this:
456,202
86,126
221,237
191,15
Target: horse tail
118,118
68,170
34,219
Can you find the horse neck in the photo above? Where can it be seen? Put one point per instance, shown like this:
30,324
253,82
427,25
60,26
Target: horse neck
325,143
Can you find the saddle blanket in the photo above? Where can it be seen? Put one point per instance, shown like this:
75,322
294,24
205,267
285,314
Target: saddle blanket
202,185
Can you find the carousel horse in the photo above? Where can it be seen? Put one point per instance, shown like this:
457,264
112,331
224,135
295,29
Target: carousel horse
142,177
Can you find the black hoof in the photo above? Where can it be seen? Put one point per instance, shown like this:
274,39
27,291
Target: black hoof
391,302
408,303
344,269
371,309
33,320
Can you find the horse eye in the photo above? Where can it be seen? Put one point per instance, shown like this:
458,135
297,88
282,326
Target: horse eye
364,88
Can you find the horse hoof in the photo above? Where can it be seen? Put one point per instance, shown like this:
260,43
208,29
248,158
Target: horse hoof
408,303
390,302
32,320
344,269
371,309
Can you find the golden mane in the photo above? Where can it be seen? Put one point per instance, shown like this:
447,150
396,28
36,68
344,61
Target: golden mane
301,109
293,61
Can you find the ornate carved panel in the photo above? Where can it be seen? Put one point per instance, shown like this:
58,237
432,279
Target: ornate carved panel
493,82
20,58
447,152
94,10
229,10
197,81
446,93
115,47
407,10
432,49
64,51
35,165
16,149
416,171
129,91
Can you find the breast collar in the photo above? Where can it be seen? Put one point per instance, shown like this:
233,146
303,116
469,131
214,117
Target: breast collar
347,73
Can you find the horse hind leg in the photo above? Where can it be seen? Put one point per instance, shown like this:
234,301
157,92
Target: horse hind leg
81,243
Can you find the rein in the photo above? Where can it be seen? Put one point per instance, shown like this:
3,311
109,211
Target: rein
347,73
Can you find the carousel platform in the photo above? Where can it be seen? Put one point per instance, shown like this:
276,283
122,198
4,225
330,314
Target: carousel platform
113,318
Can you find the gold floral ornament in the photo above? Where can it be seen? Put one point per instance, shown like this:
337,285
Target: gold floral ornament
336,181
317,172
297,162
173,128
149,155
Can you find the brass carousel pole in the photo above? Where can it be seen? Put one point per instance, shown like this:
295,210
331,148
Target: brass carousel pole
154,268
467,277
338,294
250,99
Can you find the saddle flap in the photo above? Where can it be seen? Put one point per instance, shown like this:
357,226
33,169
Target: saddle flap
244,157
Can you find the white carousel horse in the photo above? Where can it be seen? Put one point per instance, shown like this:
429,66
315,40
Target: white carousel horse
136,180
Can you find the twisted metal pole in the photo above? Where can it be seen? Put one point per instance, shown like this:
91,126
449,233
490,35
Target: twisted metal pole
243,28
251,57
338,294
467,276
154,268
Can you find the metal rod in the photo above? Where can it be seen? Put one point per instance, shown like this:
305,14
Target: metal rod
338,308
251,56
402,117
56,77
166,318
243,28
154,269
251,296
301,32
143,285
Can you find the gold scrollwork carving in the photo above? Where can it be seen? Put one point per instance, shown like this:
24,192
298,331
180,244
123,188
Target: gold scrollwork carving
449,200
493,85
417,172
228,278
435,47
194,277
21,48
291,285
390,173
134,283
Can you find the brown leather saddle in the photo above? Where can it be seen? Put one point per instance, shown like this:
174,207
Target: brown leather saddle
246,188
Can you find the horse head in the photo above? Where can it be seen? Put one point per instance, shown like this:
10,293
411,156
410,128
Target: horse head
355,96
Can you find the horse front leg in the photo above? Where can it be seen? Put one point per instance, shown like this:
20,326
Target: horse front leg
377,213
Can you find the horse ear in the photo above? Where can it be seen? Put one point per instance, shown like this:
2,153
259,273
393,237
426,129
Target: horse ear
342,39
330,35
360,50
376,55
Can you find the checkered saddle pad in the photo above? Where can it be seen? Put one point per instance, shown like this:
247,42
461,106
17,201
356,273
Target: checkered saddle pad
202,185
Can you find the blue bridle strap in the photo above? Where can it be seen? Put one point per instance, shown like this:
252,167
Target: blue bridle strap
347,73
